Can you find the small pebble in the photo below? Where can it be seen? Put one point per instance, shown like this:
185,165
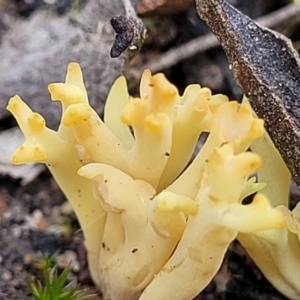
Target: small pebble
66,258
6,275
28,258
16,231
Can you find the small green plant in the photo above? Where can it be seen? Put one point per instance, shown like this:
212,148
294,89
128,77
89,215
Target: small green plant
55,286
46,262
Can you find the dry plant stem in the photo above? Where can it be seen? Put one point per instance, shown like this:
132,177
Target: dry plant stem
209,41
130,30
267,69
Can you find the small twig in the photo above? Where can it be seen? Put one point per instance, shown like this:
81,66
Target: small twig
182,52
209,41
285,14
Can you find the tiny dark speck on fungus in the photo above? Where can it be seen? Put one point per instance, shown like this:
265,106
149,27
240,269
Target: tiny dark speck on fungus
134,250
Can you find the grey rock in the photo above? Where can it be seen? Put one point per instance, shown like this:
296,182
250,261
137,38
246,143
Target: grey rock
36,51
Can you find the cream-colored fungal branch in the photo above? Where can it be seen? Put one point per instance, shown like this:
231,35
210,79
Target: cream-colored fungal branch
276,252
59,152
157,223
199,254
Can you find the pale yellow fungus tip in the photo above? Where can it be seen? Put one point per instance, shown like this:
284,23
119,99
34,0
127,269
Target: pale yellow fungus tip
29,152
75,113
66,93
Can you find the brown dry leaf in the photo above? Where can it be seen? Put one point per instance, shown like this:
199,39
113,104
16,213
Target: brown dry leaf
145,7
267,69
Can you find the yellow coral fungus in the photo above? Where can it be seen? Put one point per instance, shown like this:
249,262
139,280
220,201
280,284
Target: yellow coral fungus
154,228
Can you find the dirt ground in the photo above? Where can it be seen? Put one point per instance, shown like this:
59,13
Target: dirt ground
35,218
